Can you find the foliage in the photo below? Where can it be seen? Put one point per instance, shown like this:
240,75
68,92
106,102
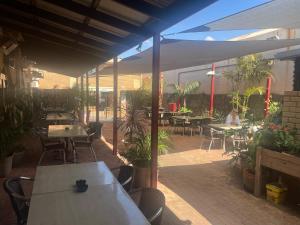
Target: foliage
275,111
185,110
11,128
244,100
250,70
182,90
139,152
138,99
219,116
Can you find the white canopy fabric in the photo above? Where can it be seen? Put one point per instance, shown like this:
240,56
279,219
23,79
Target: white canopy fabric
274,14
175,54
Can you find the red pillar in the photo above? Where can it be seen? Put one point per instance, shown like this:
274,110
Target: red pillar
155,107
115,107
212,91
267,96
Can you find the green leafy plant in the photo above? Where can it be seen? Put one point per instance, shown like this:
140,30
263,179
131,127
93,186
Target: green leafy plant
180,91
185,110
139,152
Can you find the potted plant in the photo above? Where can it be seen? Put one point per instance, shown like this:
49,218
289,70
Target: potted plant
139,154
10,130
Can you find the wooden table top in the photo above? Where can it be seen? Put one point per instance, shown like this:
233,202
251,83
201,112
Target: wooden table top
66,131
104,202
59,116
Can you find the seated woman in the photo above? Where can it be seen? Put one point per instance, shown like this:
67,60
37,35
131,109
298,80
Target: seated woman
233,118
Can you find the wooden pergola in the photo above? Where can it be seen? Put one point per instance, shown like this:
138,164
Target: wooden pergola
72,37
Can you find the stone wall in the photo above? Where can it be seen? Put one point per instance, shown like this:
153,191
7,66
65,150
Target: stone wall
291,110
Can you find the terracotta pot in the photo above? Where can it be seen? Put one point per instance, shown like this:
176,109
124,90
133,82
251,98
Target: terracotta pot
248,180
17,158
5,166
142,177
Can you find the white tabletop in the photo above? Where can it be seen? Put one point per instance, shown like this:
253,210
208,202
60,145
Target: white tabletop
105,201
60,131
63,177
59,116
224,126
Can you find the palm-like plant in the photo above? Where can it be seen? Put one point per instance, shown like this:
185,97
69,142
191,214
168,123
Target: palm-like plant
182,90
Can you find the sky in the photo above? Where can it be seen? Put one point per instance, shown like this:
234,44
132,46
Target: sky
215,11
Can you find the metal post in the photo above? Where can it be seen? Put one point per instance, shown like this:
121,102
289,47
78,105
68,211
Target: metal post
212,91
82,99
267,96
155,107
97,94
115,107
87,99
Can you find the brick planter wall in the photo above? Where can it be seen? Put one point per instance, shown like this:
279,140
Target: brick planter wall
291,110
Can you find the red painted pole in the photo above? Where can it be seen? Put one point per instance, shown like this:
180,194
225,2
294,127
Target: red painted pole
267,96
155,107
212,91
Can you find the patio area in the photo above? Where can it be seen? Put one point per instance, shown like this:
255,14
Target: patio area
198,185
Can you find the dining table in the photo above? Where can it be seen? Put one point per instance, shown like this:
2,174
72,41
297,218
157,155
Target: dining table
224,126
55,199
55,117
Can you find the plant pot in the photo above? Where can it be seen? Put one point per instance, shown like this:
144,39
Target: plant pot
5,166
248,180
17,158
142,177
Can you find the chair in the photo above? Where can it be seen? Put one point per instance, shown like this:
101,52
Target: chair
19,201
195,124
84,143
125,176
177,124
52,145
214,136
151,202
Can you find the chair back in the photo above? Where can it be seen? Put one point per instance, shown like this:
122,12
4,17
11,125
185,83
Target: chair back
13,188
152,204
125,177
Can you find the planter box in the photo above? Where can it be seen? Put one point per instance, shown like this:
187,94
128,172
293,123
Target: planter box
282,162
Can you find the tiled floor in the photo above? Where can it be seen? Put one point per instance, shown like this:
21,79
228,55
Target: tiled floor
198,186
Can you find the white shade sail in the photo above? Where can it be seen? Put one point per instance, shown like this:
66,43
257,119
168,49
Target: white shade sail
274,14
177,54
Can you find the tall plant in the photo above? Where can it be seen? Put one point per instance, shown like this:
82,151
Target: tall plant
182,90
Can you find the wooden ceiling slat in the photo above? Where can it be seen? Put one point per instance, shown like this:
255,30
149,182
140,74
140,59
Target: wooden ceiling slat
29,9
49,28
100,16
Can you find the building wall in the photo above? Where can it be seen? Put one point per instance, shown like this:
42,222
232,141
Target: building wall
282,70
56,81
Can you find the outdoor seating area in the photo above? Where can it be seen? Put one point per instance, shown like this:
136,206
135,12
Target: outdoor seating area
149,112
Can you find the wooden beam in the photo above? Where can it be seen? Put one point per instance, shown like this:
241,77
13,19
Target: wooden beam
97,94
30,9
87,99
100,16
155,107
82,99
143,7
40,26
52,38
115,107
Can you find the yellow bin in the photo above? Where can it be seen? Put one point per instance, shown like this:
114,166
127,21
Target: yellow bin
276,193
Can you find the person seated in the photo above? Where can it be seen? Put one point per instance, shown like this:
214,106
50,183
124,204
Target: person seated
233,118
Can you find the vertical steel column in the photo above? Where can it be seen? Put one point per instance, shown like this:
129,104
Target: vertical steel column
97,94
212,91
115,107
155,107
82,99
267,96
87,99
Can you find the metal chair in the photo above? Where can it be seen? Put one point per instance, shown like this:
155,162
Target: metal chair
151,202
177,124
125,176
84,143
195,124
52,145
19,201
214,136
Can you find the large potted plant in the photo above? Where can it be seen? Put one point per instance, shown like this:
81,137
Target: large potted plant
10,118
139,154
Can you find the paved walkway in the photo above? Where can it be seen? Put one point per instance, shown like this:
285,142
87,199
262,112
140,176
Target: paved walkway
201,190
